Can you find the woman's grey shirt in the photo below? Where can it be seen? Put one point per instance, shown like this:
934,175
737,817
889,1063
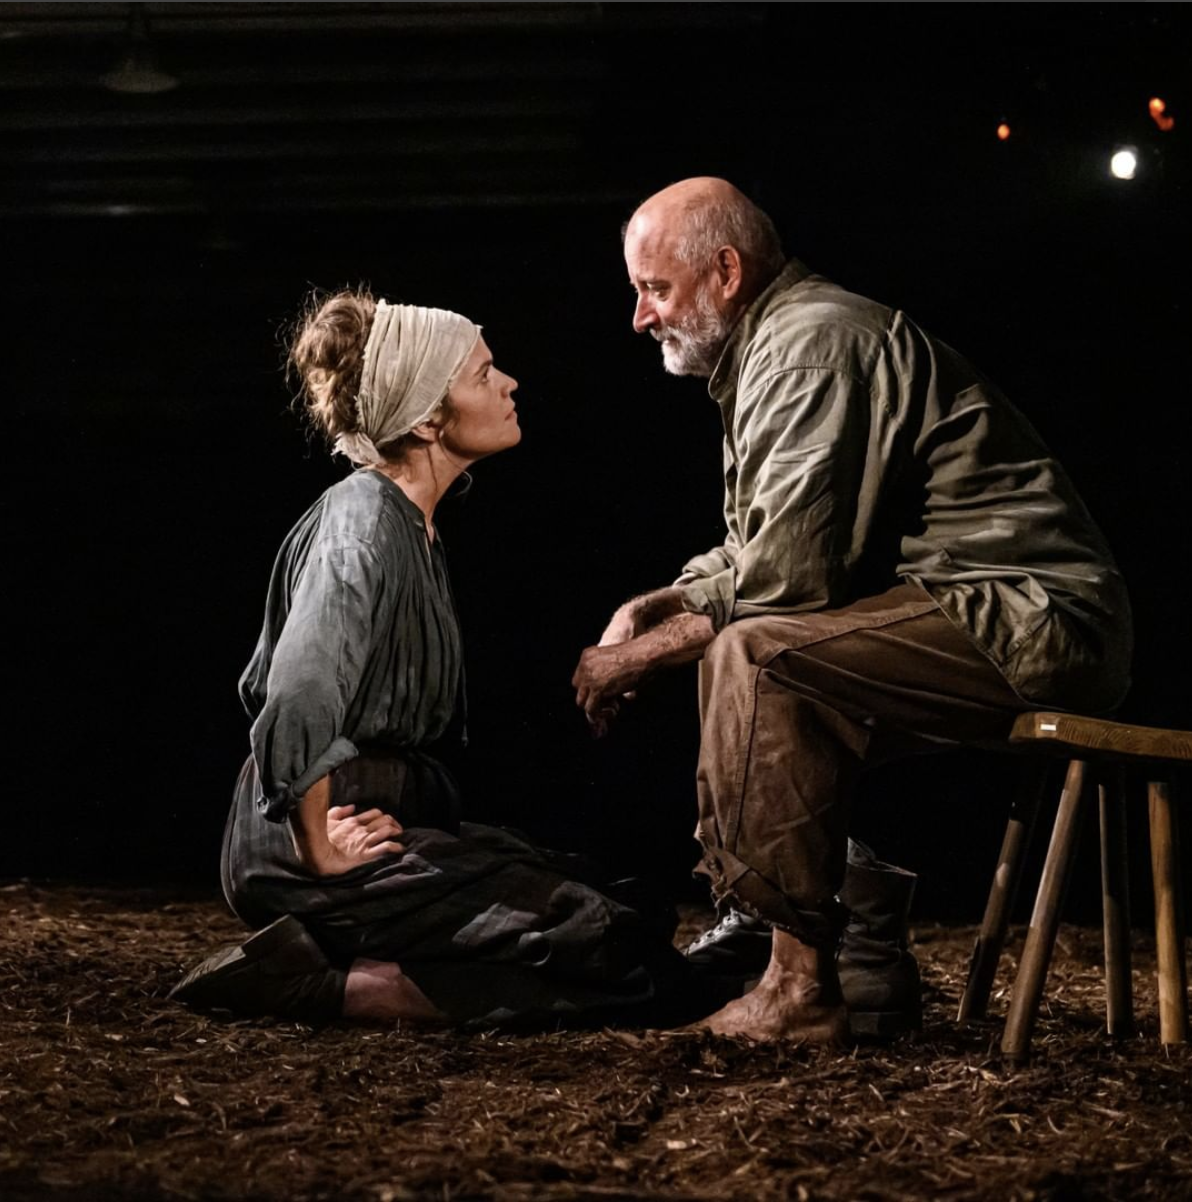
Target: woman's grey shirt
360,643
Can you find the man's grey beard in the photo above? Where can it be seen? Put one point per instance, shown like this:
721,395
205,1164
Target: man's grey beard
693,346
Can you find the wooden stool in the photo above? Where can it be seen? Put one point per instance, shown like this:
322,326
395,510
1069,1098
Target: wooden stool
1104,754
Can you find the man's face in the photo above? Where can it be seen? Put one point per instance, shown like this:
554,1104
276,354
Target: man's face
675,304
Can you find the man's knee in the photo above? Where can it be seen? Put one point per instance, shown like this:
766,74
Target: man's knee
727,673
737,647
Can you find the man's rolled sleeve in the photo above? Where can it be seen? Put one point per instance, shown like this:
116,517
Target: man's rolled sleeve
713,596
708,582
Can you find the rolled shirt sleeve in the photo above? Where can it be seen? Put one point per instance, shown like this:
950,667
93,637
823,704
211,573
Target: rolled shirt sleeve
317,666
708,583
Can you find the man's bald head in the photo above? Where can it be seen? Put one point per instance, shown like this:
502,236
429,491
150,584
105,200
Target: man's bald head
694,218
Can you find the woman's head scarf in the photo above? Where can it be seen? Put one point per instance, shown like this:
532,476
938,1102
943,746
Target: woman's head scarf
411,359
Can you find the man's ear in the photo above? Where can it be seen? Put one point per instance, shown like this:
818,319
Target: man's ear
726,263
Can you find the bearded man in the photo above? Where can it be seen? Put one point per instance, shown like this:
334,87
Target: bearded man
905,568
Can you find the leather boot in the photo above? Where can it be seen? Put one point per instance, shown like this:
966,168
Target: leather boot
878,975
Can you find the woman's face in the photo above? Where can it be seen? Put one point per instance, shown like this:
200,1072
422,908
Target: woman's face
485,418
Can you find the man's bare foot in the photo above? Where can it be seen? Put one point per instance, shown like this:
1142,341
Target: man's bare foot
767,1017
379,990
798,998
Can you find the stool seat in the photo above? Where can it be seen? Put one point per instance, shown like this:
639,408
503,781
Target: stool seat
1086,738
1105,754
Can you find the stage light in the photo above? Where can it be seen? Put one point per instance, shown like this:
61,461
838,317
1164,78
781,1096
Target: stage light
1124,163
1158,111
1003,132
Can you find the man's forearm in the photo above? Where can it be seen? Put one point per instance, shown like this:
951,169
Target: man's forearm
608,672
652,609
676,639
642,613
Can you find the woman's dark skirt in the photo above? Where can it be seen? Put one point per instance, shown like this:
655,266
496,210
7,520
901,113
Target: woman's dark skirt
495,931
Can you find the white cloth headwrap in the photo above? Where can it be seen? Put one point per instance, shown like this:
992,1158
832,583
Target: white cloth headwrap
410,360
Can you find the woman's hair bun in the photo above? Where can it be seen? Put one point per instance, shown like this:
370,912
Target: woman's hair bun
327,355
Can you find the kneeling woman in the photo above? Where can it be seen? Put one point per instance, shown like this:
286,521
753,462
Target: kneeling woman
343,844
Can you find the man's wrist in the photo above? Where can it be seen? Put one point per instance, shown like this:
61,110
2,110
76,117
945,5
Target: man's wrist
637,657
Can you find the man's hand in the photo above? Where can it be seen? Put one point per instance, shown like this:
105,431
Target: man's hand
625,624
604,675
613,670
634,618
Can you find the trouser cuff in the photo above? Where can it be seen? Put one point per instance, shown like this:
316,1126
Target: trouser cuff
818,923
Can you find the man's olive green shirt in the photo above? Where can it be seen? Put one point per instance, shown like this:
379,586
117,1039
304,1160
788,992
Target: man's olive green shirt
860,451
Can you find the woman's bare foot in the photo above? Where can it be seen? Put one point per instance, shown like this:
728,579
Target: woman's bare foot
379,990
797,998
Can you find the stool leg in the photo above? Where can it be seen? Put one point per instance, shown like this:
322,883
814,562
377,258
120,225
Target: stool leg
1169,926
1115,904
987,950
1045,920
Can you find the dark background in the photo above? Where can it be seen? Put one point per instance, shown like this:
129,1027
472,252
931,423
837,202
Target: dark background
481,157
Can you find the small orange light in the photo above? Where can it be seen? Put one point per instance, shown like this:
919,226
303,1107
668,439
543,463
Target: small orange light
1003,132
1158,109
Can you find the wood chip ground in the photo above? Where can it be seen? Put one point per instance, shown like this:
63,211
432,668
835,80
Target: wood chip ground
109,1092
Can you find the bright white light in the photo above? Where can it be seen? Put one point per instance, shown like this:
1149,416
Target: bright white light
1123,164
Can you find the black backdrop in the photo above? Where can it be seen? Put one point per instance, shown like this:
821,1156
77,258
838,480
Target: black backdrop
153,464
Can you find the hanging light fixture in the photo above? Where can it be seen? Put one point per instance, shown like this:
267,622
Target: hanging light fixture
138,70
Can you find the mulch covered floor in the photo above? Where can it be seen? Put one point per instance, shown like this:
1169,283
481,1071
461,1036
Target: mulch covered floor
108,1092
